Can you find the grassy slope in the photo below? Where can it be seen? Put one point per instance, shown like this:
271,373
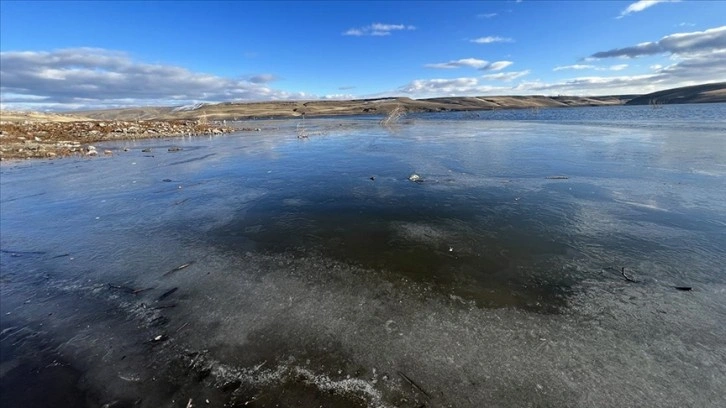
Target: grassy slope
231,111
706,93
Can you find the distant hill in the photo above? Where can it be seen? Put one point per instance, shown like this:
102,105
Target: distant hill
707,93
378,106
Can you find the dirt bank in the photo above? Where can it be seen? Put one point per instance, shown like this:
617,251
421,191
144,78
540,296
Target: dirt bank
50,137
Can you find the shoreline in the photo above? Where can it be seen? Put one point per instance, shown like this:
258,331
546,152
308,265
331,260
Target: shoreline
47,139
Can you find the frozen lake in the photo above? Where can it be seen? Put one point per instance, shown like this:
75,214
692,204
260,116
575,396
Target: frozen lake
542,261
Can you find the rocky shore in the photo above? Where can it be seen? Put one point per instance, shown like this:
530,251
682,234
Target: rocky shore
48,139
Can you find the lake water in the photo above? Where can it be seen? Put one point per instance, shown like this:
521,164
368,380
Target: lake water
538,263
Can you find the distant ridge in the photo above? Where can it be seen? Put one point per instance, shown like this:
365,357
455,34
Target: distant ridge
706,93
377,106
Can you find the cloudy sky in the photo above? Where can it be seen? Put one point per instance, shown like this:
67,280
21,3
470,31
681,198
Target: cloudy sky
79,55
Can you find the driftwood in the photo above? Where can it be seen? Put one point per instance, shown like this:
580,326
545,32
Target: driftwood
178,268
414,385
166,294
159,321
169,306
622,272
137,291
128,289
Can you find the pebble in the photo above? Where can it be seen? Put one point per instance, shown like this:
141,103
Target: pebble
415,178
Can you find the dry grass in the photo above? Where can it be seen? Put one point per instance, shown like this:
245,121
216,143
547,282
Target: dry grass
17,116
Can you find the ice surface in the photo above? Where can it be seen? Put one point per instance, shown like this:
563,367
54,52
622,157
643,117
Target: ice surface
308,283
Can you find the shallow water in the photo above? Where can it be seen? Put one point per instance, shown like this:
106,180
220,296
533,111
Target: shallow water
315,273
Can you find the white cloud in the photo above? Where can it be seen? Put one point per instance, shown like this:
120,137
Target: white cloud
377,30
471,63
641,5
491,39
592,86
263,78
421,88
97,78
354,32
576,66
487,15
678,44
618,67
343,97
705,67
499,65
506,76
465,62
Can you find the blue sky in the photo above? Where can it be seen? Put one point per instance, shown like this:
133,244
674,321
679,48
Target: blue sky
77,55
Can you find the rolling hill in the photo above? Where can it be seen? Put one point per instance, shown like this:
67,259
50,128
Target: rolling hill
706,93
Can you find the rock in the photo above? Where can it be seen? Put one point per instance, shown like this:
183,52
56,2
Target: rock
91,153
37,139
415,178
107,152
175,149
67,144
90,148
147,150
